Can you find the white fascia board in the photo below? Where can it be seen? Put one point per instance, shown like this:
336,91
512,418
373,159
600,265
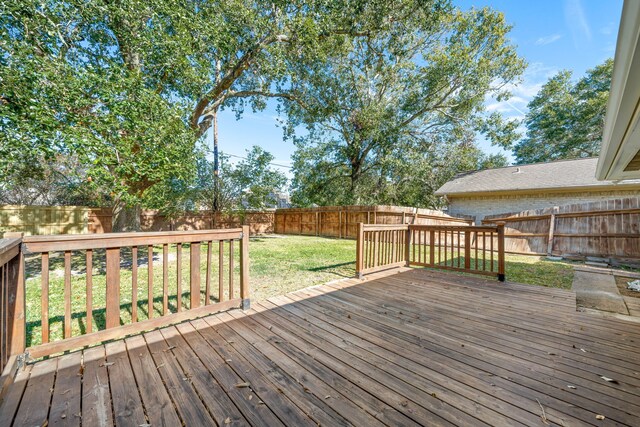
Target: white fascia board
621,136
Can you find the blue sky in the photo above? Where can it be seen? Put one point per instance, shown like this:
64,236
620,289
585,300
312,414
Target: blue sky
551,35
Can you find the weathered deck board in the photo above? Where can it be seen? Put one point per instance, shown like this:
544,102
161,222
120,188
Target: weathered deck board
410,348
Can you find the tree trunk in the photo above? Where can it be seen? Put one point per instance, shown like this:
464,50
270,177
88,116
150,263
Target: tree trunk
125,218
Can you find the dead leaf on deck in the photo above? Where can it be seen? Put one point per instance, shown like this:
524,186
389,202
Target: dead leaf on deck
572,387
600,417
609,380
243,385
108,364
227,420
169,348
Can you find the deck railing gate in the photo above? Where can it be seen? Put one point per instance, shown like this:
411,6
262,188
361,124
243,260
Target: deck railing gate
470,249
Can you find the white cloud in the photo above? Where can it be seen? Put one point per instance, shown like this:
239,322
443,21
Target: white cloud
577,21
608,29
515,107
548,39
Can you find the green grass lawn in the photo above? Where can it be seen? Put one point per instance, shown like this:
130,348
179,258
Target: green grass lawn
278,264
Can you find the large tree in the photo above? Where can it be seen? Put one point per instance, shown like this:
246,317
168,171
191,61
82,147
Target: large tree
129,86
566,118
399,99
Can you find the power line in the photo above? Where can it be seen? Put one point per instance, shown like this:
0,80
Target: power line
244,158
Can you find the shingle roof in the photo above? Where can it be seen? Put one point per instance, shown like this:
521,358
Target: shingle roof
563,174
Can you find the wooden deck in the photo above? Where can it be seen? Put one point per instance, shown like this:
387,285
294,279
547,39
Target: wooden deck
412,348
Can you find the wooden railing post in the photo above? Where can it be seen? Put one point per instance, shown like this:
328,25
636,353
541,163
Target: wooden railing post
244,268
501,272
360,250
16,302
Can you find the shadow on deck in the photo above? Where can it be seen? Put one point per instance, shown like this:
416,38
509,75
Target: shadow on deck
410,348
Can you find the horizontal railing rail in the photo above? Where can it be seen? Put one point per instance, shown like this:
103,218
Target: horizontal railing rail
470,249
93,288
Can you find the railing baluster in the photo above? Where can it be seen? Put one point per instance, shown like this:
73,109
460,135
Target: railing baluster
67,294
376,244
476,244
44,297
221,271
165,279
244,268
178,277
150,281
459,260
134,284
467,250
207,286
432,247
484,251
453,256
113,288
492,269
231,268
89,283
4,318
194,269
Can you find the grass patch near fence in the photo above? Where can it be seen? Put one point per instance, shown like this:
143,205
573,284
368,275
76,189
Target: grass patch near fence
278,264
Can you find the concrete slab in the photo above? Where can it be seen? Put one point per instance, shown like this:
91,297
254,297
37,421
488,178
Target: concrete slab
598,291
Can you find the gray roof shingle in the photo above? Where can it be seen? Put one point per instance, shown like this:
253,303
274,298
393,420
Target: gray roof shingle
562,174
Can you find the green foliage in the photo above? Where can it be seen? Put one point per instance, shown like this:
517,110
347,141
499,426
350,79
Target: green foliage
128,87
249,184
566,119
70,84
393,119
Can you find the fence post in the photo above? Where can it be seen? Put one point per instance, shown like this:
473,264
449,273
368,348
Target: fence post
407,246
244,268
501,273
16,302
360,250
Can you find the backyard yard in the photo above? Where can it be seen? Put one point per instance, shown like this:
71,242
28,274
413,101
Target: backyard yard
278,265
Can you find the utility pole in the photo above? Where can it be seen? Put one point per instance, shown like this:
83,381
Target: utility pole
216,164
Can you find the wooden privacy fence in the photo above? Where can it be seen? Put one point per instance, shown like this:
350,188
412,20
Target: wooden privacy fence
113,285
342,221
477,250
47,220
609,229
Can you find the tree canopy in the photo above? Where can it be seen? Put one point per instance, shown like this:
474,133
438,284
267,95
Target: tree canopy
130,86
566,118
115,97
381,122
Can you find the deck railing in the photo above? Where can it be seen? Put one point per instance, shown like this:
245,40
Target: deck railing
11,307
85,289
470,249
136,258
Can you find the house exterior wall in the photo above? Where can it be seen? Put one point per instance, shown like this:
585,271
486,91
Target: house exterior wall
481,206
